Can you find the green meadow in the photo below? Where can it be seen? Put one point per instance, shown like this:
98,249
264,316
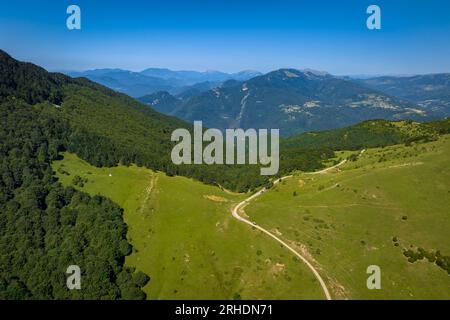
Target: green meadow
368,212
186,240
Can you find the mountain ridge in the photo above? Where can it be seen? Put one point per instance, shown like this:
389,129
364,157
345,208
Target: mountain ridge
431,91
151,80
292,100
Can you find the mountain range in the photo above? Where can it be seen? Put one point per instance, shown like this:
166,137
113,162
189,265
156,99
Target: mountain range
292,100
137,84
431,92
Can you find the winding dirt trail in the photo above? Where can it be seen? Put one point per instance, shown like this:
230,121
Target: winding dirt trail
235,213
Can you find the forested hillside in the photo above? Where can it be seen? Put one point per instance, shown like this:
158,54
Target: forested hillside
107,128
370,134
431,91
45,227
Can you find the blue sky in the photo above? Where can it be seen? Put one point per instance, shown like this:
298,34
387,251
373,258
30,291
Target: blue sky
231,35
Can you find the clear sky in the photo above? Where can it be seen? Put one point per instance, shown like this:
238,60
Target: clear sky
231,35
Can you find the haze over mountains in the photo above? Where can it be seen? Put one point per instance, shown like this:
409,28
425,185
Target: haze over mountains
431,92
294,101
137,84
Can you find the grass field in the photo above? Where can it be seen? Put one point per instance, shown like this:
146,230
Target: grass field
353,217
186,240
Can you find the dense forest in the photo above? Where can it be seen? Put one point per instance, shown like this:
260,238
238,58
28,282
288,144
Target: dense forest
45,227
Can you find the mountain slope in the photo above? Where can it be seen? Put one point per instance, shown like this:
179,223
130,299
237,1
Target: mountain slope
389,207
44,227
162,101
181,231
431,92
294,101
29,82
369,134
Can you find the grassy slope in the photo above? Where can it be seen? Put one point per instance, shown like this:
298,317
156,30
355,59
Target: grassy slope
186,240
347,219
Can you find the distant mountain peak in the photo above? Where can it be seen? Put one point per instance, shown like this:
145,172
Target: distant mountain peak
296,73
292,100
315,72
150,80
3,54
